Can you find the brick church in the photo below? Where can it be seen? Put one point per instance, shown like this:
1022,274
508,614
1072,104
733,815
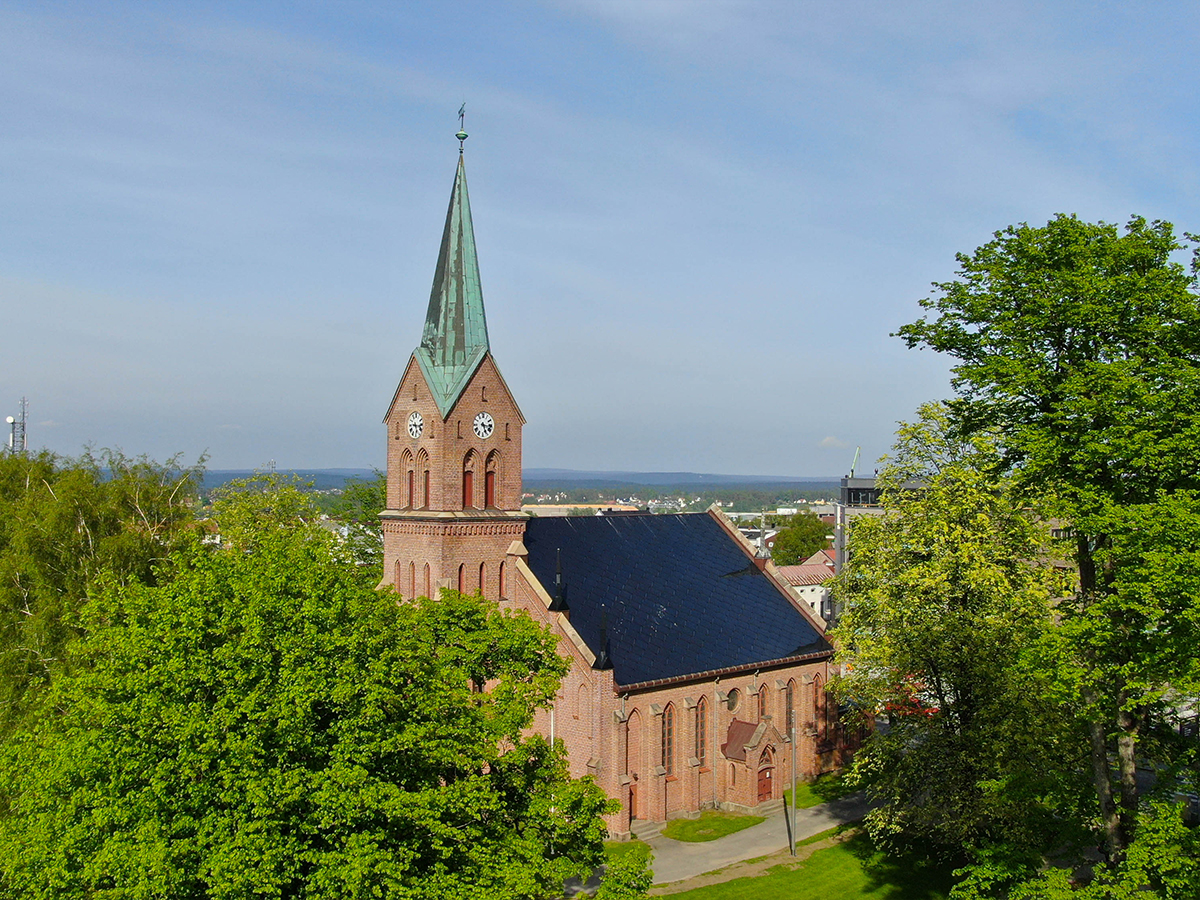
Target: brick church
695,676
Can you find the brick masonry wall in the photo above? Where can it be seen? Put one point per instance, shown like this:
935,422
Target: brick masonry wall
617,737
414,534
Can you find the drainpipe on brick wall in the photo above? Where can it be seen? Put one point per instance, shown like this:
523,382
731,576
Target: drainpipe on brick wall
792,812
713,748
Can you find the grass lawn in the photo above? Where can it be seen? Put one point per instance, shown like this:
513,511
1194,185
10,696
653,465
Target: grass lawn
850,871
712,824
616,849
824,789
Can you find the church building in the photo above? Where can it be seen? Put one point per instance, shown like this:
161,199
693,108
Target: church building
696,677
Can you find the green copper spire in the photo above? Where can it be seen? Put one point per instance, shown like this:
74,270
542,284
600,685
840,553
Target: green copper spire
455,339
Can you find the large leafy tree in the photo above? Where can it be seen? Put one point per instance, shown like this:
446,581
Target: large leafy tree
63,523
1078,345
802,536
264,723
945,607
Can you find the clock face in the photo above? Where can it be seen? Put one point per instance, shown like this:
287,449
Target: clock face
416,424
484,426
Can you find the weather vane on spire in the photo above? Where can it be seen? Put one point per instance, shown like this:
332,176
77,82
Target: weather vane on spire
462,134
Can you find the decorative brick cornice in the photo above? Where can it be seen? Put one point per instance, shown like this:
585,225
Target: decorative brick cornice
444,528
731,670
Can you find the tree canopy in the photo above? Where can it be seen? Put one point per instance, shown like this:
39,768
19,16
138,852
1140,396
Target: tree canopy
1077,351
258,720
803,536
63,524
944,607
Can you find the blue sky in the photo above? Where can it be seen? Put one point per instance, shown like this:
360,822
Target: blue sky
698,222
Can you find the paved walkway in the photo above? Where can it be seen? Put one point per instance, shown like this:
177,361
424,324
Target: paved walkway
676,860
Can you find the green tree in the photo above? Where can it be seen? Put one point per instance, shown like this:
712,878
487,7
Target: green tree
264,723
943,605
803,536
63,523
1079,346
359,507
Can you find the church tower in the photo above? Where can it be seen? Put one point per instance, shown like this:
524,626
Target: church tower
453,438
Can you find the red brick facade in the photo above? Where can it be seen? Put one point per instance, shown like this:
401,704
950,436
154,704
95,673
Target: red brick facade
616,733
640,742
454,520
454,499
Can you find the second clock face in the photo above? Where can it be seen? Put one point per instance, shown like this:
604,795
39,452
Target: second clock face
416,424
484,426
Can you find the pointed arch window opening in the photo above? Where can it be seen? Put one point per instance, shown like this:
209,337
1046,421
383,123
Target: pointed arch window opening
702,731
491,469
668,739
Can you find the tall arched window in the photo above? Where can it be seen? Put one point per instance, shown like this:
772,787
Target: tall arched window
489,479
483,579
421,500
428,583
412,489
468,480
668,739
462,579
764,703
406,467
818,701
412,579
396,579
503,581
702,731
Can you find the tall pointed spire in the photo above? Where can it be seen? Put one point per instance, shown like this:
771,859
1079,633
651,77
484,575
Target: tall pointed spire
455,339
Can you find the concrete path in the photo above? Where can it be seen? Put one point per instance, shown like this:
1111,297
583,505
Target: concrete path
676,860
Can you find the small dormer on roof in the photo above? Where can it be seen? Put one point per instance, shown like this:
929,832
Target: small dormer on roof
455,339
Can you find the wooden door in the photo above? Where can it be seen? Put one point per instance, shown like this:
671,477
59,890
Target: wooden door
765,776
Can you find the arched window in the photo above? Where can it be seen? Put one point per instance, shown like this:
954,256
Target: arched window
412,579
489,479
462,579
483,579
468,482
406,467
668,739
790,700
764,703
412,489
428,584
422,467
702,731
732,698
503,581
818,705
396,580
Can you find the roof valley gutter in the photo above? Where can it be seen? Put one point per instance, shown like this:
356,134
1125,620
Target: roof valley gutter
729,670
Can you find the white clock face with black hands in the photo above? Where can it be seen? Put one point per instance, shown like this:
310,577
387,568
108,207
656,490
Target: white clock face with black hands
416,424
484,426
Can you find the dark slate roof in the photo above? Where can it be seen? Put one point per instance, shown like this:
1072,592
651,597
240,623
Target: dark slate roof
681,596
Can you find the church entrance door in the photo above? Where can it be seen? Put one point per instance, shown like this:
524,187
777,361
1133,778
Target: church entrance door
766,774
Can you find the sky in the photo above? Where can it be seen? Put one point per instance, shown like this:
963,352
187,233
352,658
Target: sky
698,222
